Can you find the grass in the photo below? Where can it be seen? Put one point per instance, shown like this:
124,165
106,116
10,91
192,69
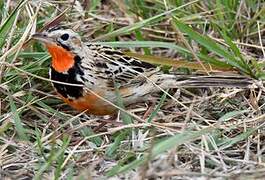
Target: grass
194,133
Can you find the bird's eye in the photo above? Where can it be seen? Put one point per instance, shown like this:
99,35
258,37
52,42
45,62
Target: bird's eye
65,36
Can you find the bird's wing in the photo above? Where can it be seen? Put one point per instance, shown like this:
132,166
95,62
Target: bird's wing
113,66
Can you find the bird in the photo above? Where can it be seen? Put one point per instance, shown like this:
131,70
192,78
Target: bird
82,72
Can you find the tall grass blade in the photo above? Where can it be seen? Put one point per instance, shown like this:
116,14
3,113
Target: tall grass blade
211,45
8,23
160,148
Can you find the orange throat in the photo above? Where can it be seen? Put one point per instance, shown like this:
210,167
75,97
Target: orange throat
62,60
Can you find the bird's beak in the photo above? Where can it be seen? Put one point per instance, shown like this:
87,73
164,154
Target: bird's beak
43,38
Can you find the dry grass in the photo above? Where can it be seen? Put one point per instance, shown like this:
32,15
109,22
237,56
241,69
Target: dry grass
215,133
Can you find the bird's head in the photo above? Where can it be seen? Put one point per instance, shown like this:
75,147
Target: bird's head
62,44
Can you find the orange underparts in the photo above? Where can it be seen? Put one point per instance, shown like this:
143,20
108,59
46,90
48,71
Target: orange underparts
91,104
62,60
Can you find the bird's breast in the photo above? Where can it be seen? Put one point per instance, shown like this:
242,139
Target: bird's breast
76,96
67,91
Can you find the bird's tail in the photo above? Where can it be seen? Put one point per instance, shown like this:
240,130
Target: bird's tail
219,81
208,81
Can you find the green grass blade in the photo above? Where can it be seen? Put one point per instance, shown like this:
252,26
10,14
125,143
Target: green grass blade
231,141
8,23
148,44
210,45
119,102
110,152
126,120
139,37
35,55
154,44
160,148
87,131
237,53
154,113
231,115
18,124
142,23
54,156
178,139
